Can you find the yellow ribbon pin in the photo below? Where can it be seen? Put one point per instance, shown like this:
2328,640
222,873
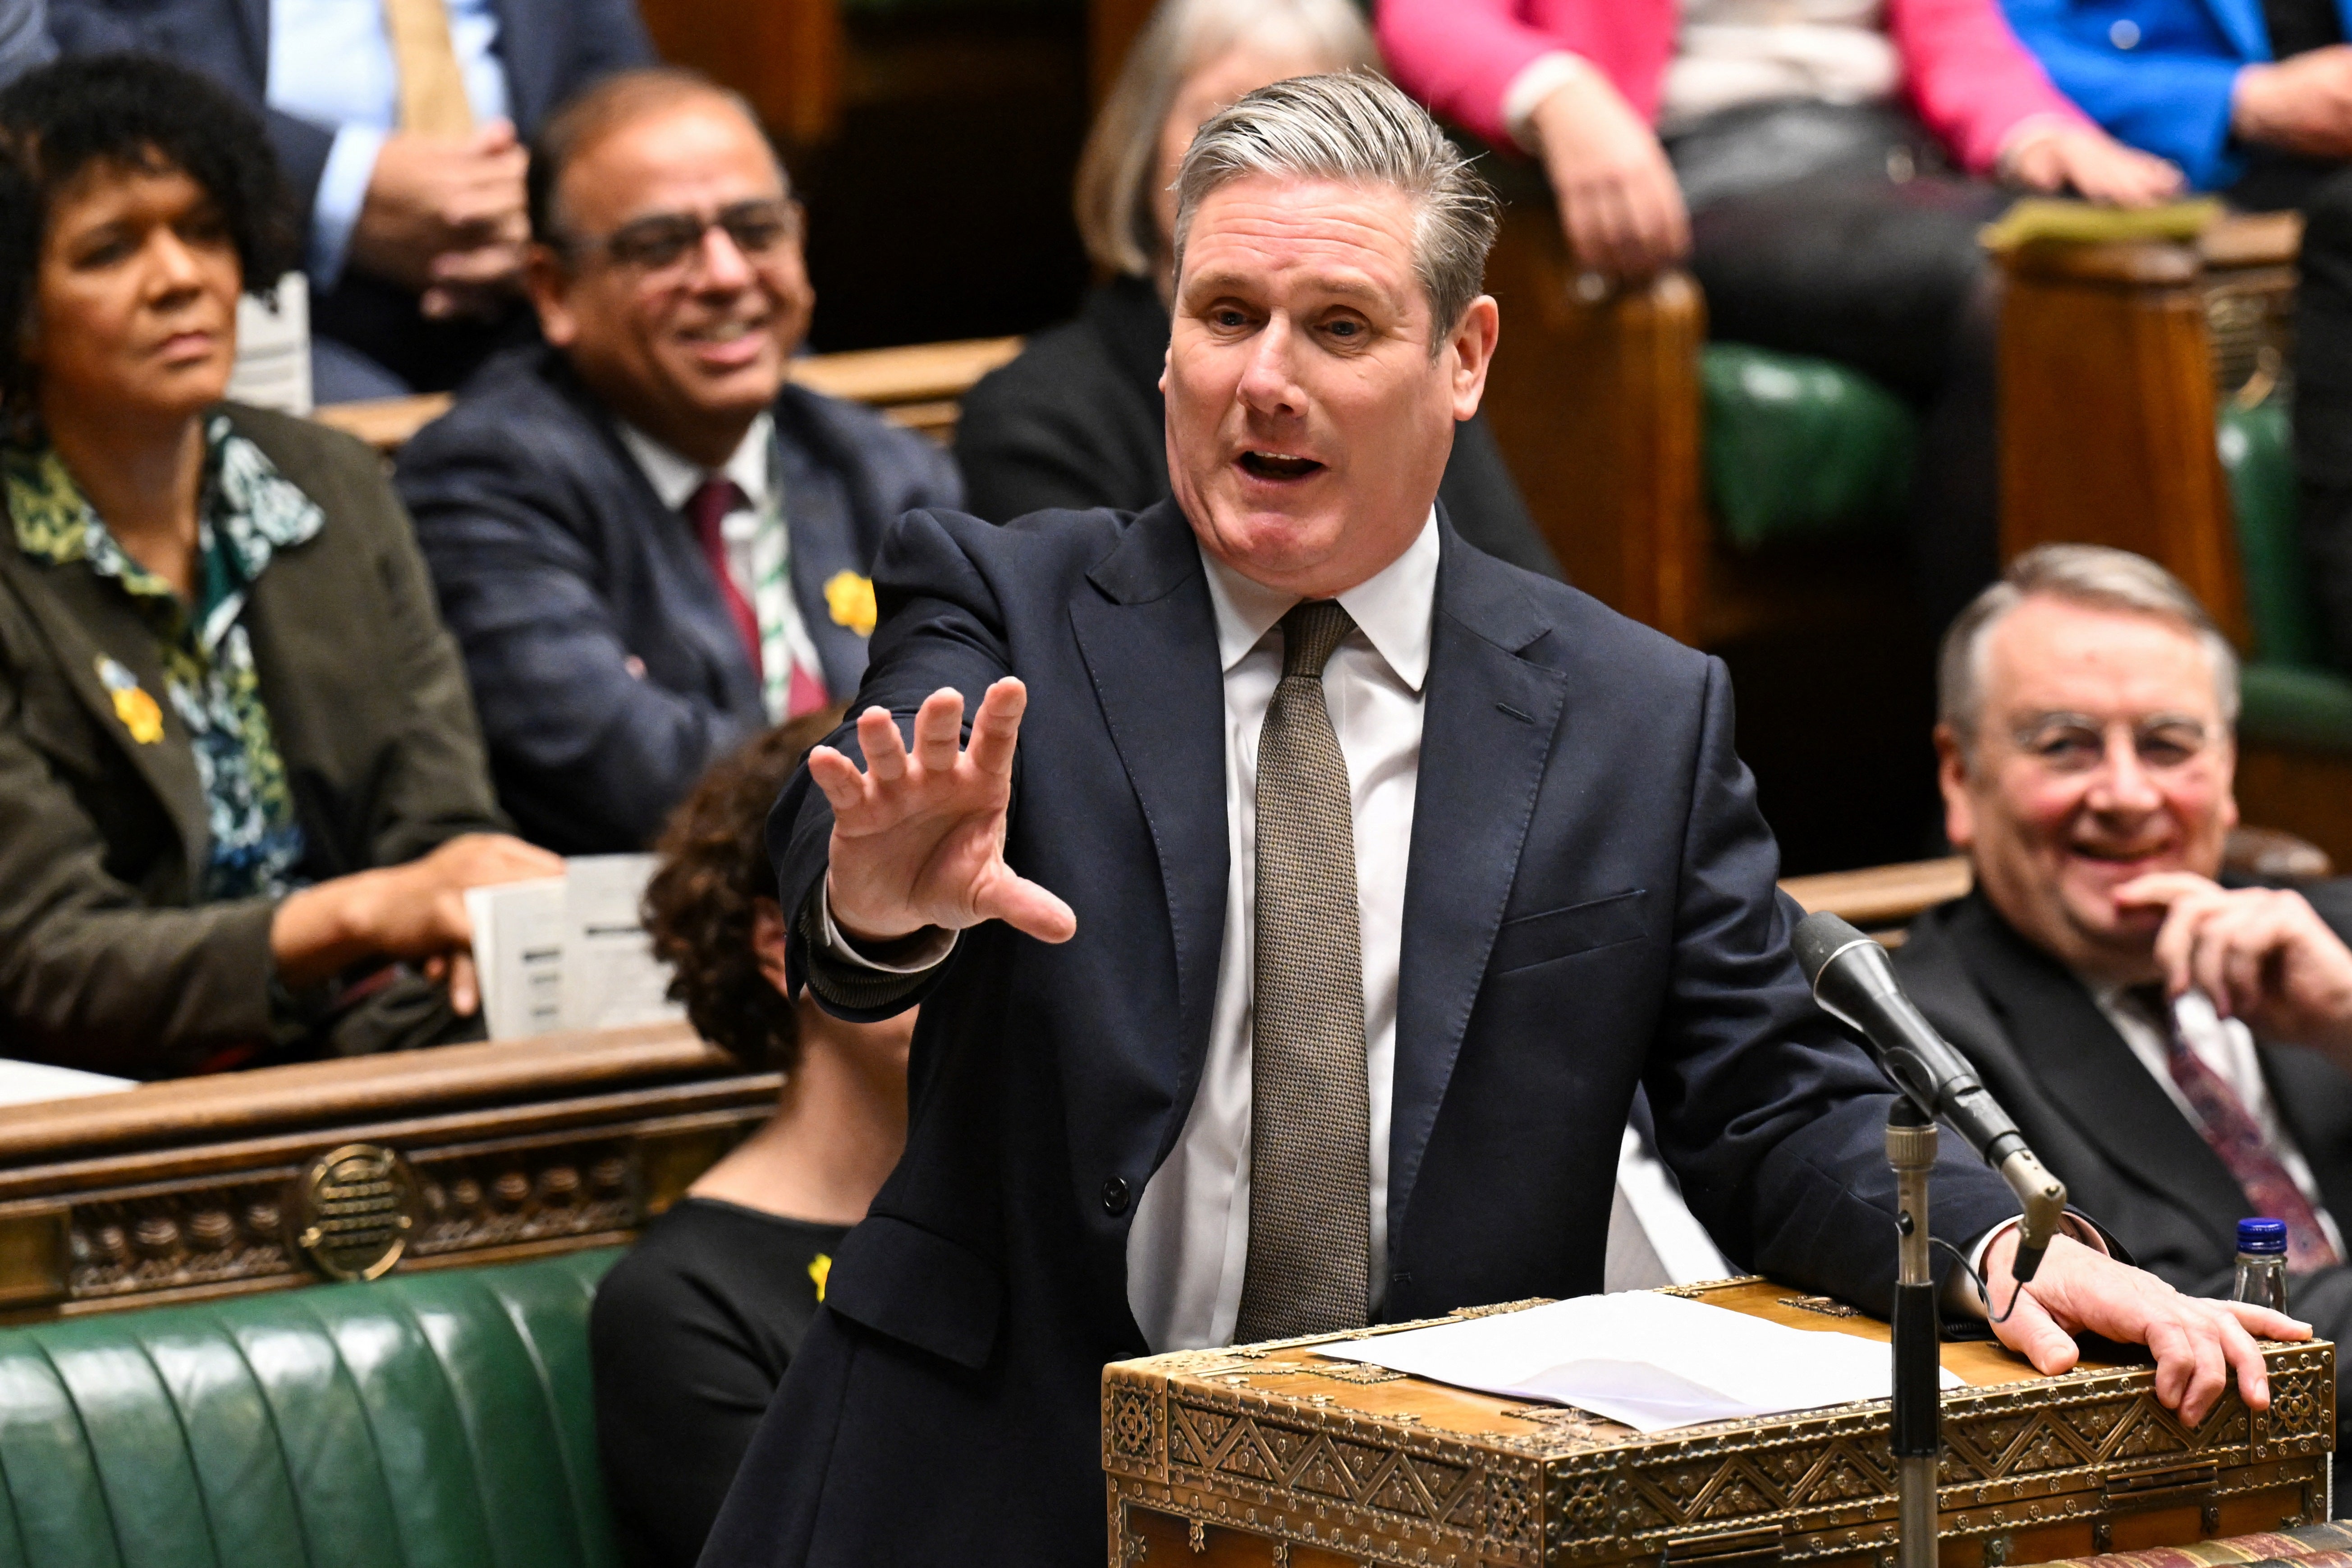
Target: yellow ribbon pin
137,711
819,1267
850,597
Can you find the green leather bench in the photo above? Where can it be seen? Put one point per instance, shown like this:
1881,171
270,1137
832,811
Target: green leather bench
440,1418
2293,699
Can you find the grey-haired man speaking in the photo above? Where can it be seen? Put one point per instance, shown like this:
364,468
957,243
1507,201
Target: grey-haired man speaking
1299,971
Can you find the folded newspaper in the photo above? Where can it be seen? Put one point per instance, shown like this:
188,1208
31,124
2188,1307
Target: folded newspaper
1645,1359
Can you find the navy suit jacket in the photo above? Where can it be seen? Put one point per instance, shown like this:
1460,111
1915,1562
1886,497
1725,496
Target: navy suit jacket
1590,906
556,565
2155,73
550,49
2103,1126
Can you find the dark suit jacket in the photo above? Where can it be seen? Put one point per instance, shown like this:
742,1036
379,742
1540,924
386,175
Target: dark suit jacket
557,564
106,959
2102,1123
1077,421
550,49
1590,906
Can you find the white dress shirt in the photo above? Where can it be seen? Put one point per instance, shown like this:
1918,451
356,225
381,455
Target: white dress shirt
759,545
2226,1046
331,63
1190,1242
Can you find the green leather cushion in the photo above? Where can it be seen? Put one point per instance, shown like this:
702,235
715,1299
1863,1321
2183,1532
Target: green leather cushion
425,1420
1801,449
2292,700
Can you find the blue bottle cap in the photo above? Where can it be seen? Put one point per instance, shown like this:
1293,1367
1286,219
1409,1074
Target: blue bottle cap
2263,1235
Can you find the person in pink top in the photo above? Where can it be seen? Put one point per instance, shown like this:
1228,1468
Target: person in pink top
1822,166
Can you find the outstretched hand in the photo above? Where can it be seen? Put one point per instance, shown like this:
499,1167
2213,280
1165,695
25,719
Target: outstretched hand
2197,1343
918,837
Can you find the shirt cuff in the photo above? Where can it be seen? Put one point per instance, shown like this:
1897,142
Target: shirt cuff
342,190
1536,80
1961,1298
918,953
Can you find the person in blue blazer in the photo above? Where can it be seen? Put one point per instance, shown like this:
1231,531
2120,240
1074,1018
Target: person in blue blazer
1312,894
649,545
413,209
2251,99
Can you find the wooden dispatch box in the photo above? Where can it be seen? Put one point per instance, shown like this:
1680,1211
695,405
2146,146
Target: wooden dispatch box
1273,1455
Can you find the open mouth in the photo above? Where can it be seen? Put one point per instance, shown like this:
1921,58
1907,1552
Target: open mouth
1278,466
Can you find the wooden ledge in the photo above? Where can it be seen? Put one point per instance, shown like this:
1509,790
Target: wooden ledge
398,1085
1882,895
918,372
2129,263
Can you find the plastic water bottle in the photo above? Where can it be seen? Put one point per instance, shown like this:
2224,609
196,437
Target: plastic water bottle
2261,1264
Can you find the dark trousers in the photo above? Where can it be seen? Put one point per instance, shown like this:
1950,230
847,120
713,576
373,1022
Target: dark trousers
1840,231
395,349
2323,373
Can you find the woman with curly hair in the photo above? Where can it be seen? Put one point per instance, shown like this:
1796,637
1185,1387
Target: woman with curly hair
242,790
692,1331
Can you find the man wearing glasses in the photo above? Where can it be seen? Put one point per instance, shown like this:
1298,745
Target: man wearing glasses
649,545
2174,1049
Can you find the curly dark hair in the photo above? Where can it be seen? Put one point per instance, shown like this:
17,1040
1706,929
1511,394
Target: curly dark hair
140,112
712,869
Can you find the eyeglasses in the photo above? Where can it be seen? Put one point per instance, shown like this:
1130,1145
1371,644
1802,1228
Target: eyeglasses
669,242
2078,743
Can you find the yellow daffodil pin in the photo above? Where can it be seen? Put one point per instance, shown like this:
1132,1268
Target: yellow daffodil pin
138,711
850,597
820,1266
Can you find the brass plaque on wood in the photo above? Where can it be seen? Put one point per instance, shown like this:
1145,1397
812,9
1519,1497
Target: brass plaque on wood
353,1212
35,1253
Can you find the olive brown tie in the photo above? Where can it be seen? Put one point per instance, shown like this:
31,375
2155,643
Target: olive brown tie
1310,1185
432,84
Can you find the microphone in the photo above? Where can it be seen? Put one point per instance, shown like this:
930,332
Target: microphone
1853,980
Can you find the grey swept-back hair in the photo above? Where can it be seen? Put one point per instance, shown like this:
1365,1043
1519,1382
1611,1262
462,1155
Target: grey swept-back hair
1353,127
2088,574
1118,168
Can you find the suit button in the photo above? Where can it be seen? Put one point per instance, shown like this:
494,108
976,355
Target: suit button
1114,1197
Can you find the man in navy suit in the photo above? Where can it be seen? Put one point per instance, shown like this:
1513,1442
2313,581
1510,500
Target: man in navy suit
2251,99
412,200
649,545
1310,899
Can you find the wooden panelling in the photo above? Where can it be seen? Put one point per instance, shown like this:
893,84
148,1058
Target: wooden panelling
1595,398
187,1189
2107,413
785,55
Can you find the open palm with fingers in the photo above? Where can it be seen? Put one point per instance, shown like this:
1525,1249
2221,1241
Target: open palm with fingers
919,836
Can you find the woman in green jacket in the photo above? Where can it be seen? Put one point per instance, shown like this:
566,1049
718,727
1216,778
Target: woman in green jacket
242,790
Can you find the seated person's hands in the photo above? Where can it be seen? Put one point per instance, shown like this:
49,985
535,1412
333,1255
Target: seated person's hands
2261,955
2055,157
447,219
415,912
918,837
2197,1343
2302,104
1619,201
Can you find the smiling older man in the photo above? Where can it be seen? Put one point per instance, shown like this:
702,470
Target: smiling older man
1349,881
2173,1049
649,545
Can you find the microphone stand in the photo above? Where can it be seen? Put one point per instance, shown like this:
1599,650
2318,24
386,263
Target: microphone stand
1916,1422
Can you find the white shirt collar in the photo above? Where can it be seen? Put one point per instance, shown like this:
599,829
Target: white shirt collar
675,479
1393,608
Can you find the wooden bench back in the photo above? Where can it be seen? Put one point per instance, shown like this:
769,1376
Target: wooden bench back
918,387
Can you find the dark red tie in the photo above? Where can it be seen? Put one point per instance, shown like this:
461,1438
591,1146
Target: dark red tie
2238,1139
707,508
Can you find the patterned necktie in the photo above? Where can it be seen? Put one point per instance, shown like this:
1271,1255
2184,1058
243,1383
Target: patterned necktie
707,508
1310,1269
432,84
2238,1139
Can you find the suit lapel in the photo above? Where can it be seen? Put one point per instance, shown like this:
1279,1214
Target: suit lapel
1148,640
2092,1072
529,71
88,620
1489,721
824,544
